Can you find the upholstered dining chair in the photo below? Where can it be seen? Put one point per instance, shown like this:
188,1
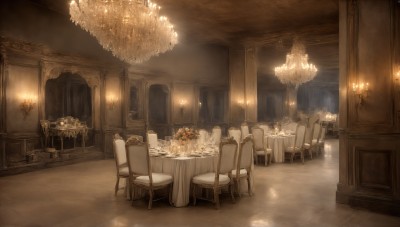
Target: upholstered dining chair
235,133
259,147
140,173
120,159
244,128
264,127
152,139
203,134
298,146
311,143
139,137
321,140
243,166
221,177
216,134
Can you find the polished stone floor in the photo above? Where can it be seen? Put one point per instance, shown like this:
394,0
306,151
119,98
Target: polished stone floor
82,195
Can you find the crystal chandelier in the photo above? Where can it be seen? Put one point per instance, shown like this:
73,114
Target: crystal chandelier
132,30
296,70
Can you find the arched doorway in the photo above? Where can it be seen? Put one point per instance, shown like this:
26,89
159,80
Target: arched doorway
68,95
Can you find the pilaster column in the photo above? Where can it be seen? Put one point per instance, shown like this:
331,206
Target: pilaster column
242,84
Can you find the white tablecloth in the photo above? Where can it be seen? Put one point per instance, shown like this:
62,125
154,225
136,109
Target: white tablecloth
182,169
278,144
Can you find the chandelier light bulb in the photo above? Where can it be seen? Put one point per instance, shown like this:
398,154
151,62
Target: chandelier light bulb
132,31
296,70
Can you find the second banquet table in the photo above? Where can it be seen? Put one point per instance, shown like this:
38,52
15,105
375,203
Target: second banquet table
278,144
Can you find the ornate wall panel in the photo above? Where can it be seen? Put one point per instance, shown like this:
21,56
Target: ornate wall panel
22,81
251,84
184,104
236,84
375,170
369,147
113,100
376,113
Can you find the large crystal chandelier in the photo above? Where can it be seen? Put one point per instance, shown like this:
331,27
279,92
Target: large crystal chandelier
296,70
132,30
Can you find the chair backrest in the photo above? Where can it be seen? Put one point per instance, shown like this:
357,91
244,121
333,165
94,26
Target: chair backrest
235,133
245,154
316,131
138,158
323,132
152,139
227,157
292,126
139,137
119,151
216,134
244,128
300,136
265,128
203,134
258,137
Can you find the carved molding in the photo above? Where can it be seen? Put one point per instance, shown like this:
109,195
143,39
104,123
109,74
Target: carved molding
52,70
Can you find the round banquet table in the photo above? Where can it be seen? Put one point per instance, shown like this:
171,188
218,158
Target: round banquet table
278,144
183,169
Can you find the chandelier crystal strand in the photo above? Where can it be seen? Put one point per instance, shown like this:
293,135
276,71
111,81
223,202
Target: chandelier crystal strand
296,70
132,30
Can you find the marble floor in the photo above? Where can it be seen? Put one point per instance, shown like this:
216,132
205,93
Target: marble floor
82,195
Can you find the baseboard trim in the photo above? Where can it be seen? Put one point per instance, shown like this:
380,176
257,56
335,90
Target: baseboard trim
375,204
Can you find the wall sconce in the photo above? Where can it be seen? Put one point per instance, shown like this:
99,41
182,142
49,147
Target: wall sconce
111,101
27,104
292,104
242,103
397,76
182,104
361,90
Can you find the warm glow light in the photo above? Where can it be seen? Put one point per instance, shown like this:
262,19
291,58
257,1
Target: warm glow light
296,70
27,103
360,89
111,100
132,30
182,102
397,75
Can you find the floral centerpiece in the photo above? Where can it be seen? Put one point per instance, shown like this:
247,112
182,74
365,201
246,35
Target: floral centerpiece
186,134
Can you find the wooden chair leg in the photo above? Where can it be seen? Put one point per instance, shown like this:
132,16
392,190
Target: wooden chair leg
302,156
150,199
170,194
194,194
116,186
265,159
238,187
249,189
216,198
231,189
130,188
291,158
